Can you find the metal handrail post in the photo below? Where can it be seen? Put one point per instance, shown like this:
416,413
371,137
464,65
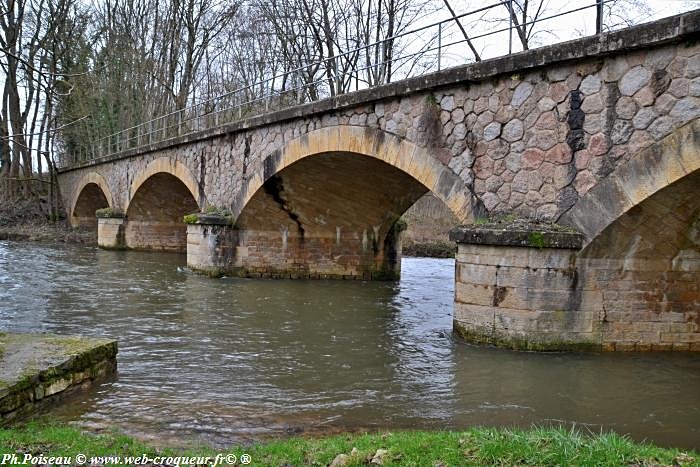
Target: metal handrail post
510,27
439,46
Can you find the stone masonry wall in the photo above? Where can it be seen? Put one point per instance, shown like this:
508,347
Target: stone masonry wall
219,250
643,306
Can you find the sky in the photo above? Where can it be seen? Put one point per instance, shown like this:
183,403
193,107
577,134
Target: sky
569,26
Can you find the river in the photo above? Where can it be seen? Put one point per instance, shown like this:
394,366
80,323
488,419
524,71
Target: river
225,361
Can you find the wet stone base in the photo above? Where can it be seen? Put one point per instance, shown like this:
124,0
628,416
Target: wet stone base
37,370
536,343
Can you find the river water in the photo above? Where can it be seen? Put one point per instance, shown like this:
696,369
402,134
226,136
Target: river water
225,361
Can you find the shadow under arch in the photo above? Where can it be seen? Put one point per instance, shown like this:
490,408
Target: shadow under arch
159,197
91,193
403,155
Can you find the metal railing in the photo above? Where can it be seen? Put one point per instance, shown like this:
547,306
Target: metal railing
313,82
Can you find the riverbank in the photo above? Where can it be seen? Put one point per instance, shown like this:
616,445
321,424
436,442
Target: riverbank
428,223
477,446
28,221
429,249
58,232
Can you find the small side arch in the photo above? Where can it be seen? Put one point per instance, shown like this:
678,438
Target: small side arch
90,194
158,198
404,155
168,166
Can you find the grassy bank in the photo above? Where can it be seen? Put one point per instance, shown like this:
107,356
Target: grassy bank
477,446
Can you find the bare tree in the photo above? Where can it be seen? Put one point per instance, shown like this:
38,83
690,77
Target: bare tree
28,38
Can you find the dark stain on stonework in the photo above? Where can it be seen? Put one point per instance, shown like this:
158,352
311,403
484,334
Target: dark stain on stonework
660,81
575,119
246,156
499,294
270,164
202,175
274,186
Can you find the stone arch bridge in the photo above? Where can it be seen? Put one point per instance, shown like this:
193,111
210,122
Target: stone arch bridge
600,135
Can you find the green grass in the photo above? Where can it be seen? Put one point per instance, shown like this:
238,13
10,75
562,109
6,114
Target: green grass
477,446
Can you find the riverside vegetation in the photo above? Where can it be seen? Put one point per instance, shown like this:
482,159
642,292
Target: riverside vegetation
476,446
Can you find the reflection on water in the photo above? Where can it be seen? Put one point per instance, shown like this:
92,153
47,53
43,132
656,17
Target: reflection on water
234,360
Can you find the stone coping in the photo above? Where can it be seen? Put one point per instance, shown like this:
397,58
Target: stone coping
36,369
533,235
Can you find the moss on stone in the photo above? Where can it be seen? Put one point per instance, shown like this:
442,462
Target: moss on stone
536,239
210,215
190,218
517,343
385,275
33,363
106,213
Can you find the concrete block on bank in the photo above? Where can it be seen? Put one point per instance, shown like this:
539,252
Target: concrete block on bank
37,370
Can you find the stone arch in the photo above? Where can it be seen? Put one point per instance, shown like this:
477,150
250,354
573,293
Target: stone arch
416,161
168,166
327,204
652,170
90,194
640,266
159,197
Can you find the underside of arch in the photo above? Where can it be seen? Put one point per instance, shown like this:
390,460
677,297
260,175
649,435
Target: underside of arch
167,166
155,214
330,215
92,194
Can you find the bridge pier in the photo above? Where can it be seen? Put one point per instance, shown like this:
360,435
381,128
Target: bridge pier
110,232
519,288
211,244
522,287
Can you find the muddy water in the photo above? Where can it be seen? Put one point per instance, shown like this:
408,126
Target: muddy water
233,360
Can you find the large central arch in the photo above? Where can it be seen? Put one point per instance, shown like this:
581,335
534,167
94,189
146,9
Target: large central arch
327,204
416,161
